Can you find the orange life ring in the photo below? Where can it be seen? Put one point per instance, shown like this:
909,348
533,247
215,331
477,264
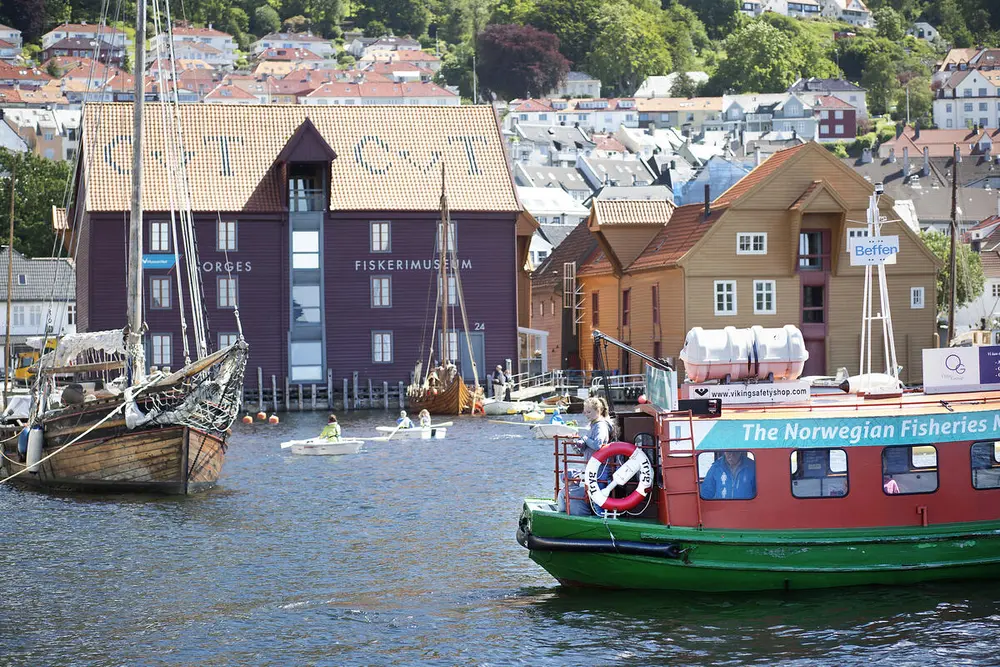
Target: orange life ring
637,462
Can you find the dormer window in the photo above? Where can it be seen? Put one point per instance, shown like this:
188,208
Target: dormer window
22,279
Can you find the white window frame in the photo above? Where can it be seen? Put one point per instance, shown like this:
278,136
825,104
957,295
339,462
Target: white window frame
35,315
71,313
225,236
381,291
726,286
159,286
767,288
996,290
159,236
854,233
380,236
17,316
452,232
381,345
161,349
230,297
916,297
452,289
838,129
751,239
227,339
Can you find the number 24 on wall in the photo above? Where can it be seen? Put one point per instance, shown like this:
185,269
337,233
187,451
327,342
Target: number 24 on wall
479,326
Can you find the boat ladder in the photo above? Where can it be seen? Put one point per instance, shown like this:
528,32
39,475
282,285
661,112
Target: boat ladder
679,499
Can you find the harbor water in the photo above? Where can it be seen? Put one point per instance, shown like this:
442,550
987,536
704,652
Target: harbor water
403,555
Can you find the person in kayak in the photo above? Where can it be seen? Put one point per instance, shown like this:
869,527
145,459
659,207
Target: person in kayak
733,476
557,417
331,431
403,421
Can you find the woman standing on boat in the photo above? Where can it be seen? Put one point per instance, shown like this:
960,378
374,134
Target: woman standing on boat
601,430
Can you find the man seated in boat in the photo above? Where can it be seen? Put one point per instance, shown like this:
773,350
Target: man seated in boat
331,431
733,476
403,421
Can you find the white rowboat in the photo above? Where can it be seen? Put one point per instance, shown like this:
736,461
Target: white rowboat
435,432
324,447
549,431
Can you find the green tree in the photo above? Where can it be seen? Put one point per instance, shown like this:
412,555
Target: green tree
404,17
265,20
889,23
969,265
921,101
375,29
685,36
684,86
719,16
39,185
628,47
513,11
519,61
572,21
759,58
456,70
882,83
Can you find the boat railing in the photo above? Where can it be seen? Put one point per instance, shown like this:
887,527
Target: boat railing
618,381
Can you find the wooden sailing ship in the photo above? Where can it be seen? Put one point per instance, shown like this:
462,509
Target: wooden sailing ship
99,420
438,391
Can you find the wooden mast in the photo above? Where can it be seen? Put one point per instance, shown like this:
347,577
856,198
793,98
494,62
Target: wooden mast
135,320
953,262
445,339
8,370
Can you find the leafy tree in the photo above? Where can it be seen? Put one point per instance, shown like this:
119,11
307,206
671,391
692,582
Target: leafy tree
28,16
513,11
921,101
404,17
375,29
881,82
456,70
265,20
719,16
685,36
969,265
38,185
296,23
759,58
685,86
519,61
889,23
572,21
628,47
345,60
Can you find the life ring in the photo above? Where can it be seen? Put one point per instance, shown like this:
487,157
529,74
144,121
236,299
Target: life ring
637,462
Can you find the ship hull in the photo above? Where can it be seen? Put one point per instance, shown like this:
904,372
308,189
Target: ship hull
644,555
456,399
170,460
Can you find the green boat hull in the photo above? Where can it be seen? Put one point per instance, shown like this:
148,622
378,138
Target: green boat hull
642,554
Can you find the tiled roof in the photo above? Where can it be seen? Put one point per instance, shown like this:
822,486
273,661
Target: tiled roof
686,227
610,144
10,96
44,277
225,91
5,44
576,247
85,27
80,43
8,71
831,102
59,219
288,54
748,182
382,163
293,37
814,85
956,56
525,106
632,212
666,104
940,143
201,32
82,68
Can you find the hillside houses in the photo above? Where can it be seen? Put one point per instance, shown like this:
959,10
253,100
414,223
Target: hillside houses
10,44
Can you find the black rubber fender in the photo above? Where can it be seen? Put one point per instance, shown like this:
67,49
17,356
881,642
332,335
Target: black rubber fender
535,543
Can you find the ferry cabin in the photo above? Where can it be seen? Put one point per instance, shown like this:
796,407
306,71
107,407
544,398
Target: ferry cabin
321,224
771,250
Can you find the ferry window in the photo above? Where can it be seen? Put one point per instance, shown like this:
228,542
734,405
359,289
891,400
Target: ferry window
729,475
907,470
986,465
819,473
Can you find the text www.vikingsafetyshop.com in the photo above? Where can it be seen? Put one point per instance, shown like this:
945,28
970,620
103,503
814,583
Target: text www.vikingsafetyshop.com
757,392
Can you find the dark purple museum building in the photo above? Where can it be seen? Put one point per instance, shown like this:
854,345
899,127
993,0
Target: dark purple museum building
321,223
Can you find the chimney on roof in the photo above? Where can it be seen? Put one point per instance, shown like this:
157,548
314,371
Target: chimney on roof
795,135
916,130
708,200
892,154
756,156
958,154
906,162
209,27
635,179
866,155
926,171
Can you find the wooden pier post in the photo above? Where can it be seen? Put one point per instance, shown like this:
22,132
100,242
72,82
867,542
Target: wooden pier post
274,392
357,401
371,395
300,397
329,389
347,407
288,396
385,395
402,396
313,396
260,390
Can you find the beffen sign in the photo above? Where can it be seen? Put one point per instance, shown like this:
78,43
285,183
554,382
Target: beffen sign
871,251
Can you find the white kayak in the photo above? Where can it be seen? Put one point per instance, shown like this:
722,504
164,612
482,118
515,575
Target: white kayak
324,447
493,407
549,431
434,431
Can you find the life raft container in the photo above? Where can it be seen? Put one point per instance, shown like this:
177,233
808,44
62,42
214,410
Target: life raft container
637,462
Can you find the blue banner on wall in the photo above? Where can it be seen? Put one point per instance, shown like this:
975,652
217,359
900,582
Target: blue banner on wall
164,261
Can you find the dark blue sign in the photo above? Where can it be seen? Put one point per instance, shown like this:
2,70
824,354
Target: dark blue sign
989,364
158,261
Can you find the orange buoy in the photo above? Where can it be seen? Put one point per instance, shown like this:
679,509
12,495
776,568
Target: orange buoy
434,392
642,399
261,415
273,419
247,419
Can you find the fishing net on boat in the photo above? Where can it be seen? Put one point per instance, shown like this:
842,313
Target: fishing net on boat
205,394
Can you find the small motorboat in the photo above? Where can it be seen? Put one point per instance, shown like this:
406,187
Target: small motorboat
432,432
493,407
534,416
324,447
549,431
